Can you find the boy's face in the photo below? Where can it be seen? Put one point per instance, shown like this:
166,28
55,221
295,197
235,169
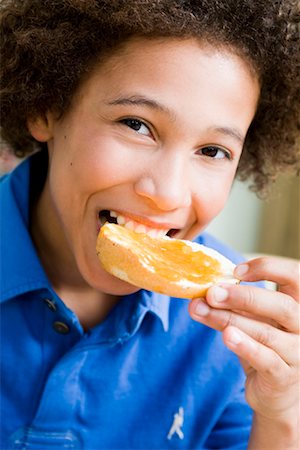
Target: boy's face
154,137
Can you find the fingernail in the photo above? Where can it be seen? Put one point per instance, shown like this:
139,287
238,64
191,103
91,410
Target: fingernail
202,309
219,294
241,270
235,337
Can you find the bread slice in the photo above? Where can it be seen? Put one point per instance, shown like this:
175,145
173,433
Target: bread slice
175,267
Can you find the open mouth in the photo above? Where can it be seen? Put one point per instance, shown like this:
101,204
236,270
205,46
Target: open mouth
112,217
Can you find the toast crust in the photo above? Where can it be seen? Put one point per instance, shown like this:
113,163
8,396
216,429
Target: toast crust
173,267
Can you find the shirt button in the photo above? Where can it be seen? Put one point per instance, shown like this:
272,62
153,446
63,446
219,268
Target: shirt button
61,327
51,305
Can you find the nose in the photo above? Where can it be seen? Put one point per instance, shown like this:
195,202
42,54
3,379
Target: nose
167,184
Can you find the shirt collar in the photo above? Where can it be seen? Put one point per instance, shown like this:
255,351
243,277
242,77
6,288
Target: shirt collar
126,318
20,267
158,304
21,270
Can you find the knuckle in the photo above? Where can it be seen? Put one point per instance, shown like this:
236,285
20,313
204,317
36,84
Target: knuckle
274,371
265,335
262,263
228,320
289,311
255,352
249,298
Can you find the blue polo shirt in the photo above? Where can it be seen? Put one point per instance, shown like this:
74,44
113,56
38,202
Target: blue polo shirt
148,377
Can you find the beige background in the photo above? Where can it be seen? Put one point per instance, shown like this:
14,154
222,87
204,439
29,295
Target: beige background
253,226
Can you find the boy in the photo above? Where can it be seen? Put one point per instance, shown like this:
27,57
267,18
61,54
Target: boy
139,112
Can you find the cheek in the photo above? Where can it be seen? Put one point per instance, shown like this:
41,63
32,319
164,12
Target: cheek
104,164
211,200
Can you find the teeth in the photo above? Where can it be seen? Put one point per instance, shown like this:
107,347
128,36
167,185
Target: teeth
120,220
138,227
152,233
130,225
162,233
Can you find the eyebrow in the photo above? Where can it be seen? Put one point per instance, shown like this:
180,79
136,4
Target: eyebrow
231,132
137,100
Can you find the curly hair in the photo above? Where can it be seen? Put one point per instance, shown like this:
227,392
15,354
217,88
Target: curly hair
50,46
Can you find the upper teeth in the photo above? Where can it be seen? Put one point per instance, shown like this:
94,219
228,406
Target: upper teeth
138,227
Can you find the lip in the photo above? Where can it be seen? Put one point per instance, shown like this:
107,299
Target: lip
143,220
150,222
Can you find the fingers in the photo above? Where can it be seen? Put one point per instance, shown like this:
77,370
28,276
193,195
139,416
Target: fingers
263,359
284,344
261,327
276,306
269,318
284,272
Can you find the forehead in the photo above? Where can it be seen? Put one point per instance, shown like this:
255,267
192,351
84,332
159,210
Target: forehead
138,56
138,46
186,68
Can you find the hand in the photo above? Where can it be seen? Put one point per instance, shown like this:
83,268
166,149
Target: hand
262,327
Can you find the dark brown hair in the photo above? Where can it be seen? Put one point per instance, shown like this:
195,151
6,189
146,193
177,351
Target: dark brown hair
49,46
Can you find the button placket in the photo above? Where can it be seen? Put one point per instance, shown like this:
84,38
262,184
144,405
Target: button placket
50,303
61,327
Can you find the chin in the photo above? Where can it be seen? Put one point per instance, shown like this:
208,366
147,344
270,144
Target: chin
102,281
117,288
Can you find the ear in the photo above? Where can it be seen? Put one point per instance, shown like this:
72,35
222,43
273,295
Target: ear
41,128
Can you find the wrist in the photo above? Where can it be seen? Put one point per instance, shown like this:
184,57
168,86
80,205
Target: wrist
276,433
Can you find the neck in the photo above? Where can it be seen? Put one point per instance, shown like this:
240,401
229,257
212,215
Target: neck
90,305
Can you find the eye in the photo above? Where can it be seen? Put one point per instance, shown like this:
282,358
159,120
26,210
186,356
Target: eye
137,125
212,151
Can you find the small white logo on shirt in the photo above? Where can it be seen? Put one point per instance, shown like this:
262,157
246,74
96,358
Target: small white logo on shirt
177,424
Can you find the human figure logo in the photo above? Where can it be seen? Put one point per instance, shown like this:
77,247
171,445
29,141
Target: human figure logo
177,424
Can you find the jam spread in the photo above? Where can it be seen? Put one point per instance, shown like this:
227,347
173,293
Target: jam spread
172,259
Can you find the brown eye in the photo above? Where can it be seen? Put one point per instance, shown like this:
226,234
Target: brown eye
136,125
211,151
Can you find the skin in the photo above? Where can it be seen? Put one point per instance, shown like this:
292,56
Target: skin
262,327
159,173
